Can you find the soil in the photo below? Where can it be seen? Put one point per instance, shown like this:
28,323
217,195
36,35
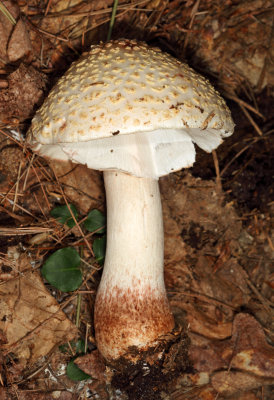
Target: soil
218,215
248,180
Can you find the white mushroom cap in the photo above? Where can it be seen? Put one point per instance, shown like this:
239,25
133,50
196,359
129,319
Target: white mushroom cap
130,107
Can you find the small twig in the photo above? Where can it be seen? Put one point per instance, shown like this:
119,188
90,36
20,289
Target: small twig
251,120
23,231
217,170
244,104
203,297
17,185
10,137
39,205
33,374
12,214
27,172
89,234
48,7
71,349
270,243
86,336
20,207
258,295
193,16
73,216
78,310
238,155
90,265
163,5
42,188
42,31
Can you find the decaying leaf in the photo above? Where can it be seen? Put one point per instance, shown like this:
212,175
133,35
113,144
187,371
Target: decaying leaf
15,42
231,382
247,350
83,186
92,364
251,352
200,323
6,26
206,354
30,317
19,44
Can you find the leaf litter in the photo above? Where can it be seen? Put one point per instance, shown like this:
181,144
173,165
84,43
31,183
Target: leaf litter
218,234
29,314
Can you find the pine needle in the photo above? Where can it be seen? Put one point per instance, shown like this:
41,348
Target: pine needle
112,20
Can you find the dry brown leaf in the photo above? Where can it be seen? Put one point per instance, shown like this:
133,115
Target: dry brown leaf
206,354
207,394
238,43
82,186
251,352
30,317
198,379
6,27
200,323
15,41
19,45
247,350
3,393
92,364
55,395
200,241
248,396
233,382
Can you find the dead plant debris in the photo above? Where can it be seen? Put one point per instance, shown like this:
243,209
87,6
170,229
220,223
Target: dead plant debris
219,242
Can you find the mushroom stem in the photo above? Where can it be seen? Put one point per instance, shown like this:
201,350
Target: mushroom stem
131,307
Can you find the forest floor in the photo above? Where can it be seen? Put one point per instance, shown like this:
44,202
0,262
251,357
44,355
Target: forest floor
218,215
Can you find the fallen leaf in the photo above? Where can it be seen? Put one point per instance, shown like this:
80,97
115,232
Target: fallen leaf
92,364
200,323
3,393
19,45
247,350
251,352
248,396
206,354
233,382
6,27
30,317
83,186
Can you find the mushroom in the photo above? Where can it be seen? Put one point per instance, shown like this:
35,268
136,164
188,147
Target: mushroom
134,113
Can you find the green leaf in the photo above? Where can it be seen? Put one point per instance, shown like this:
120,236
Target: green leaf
94,221
75,373
62,270
63,214
80,346
99,248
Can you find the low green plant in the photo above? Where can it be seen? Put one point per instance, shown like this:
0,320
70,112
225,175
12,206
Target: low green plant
73,371
63,214
62,268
